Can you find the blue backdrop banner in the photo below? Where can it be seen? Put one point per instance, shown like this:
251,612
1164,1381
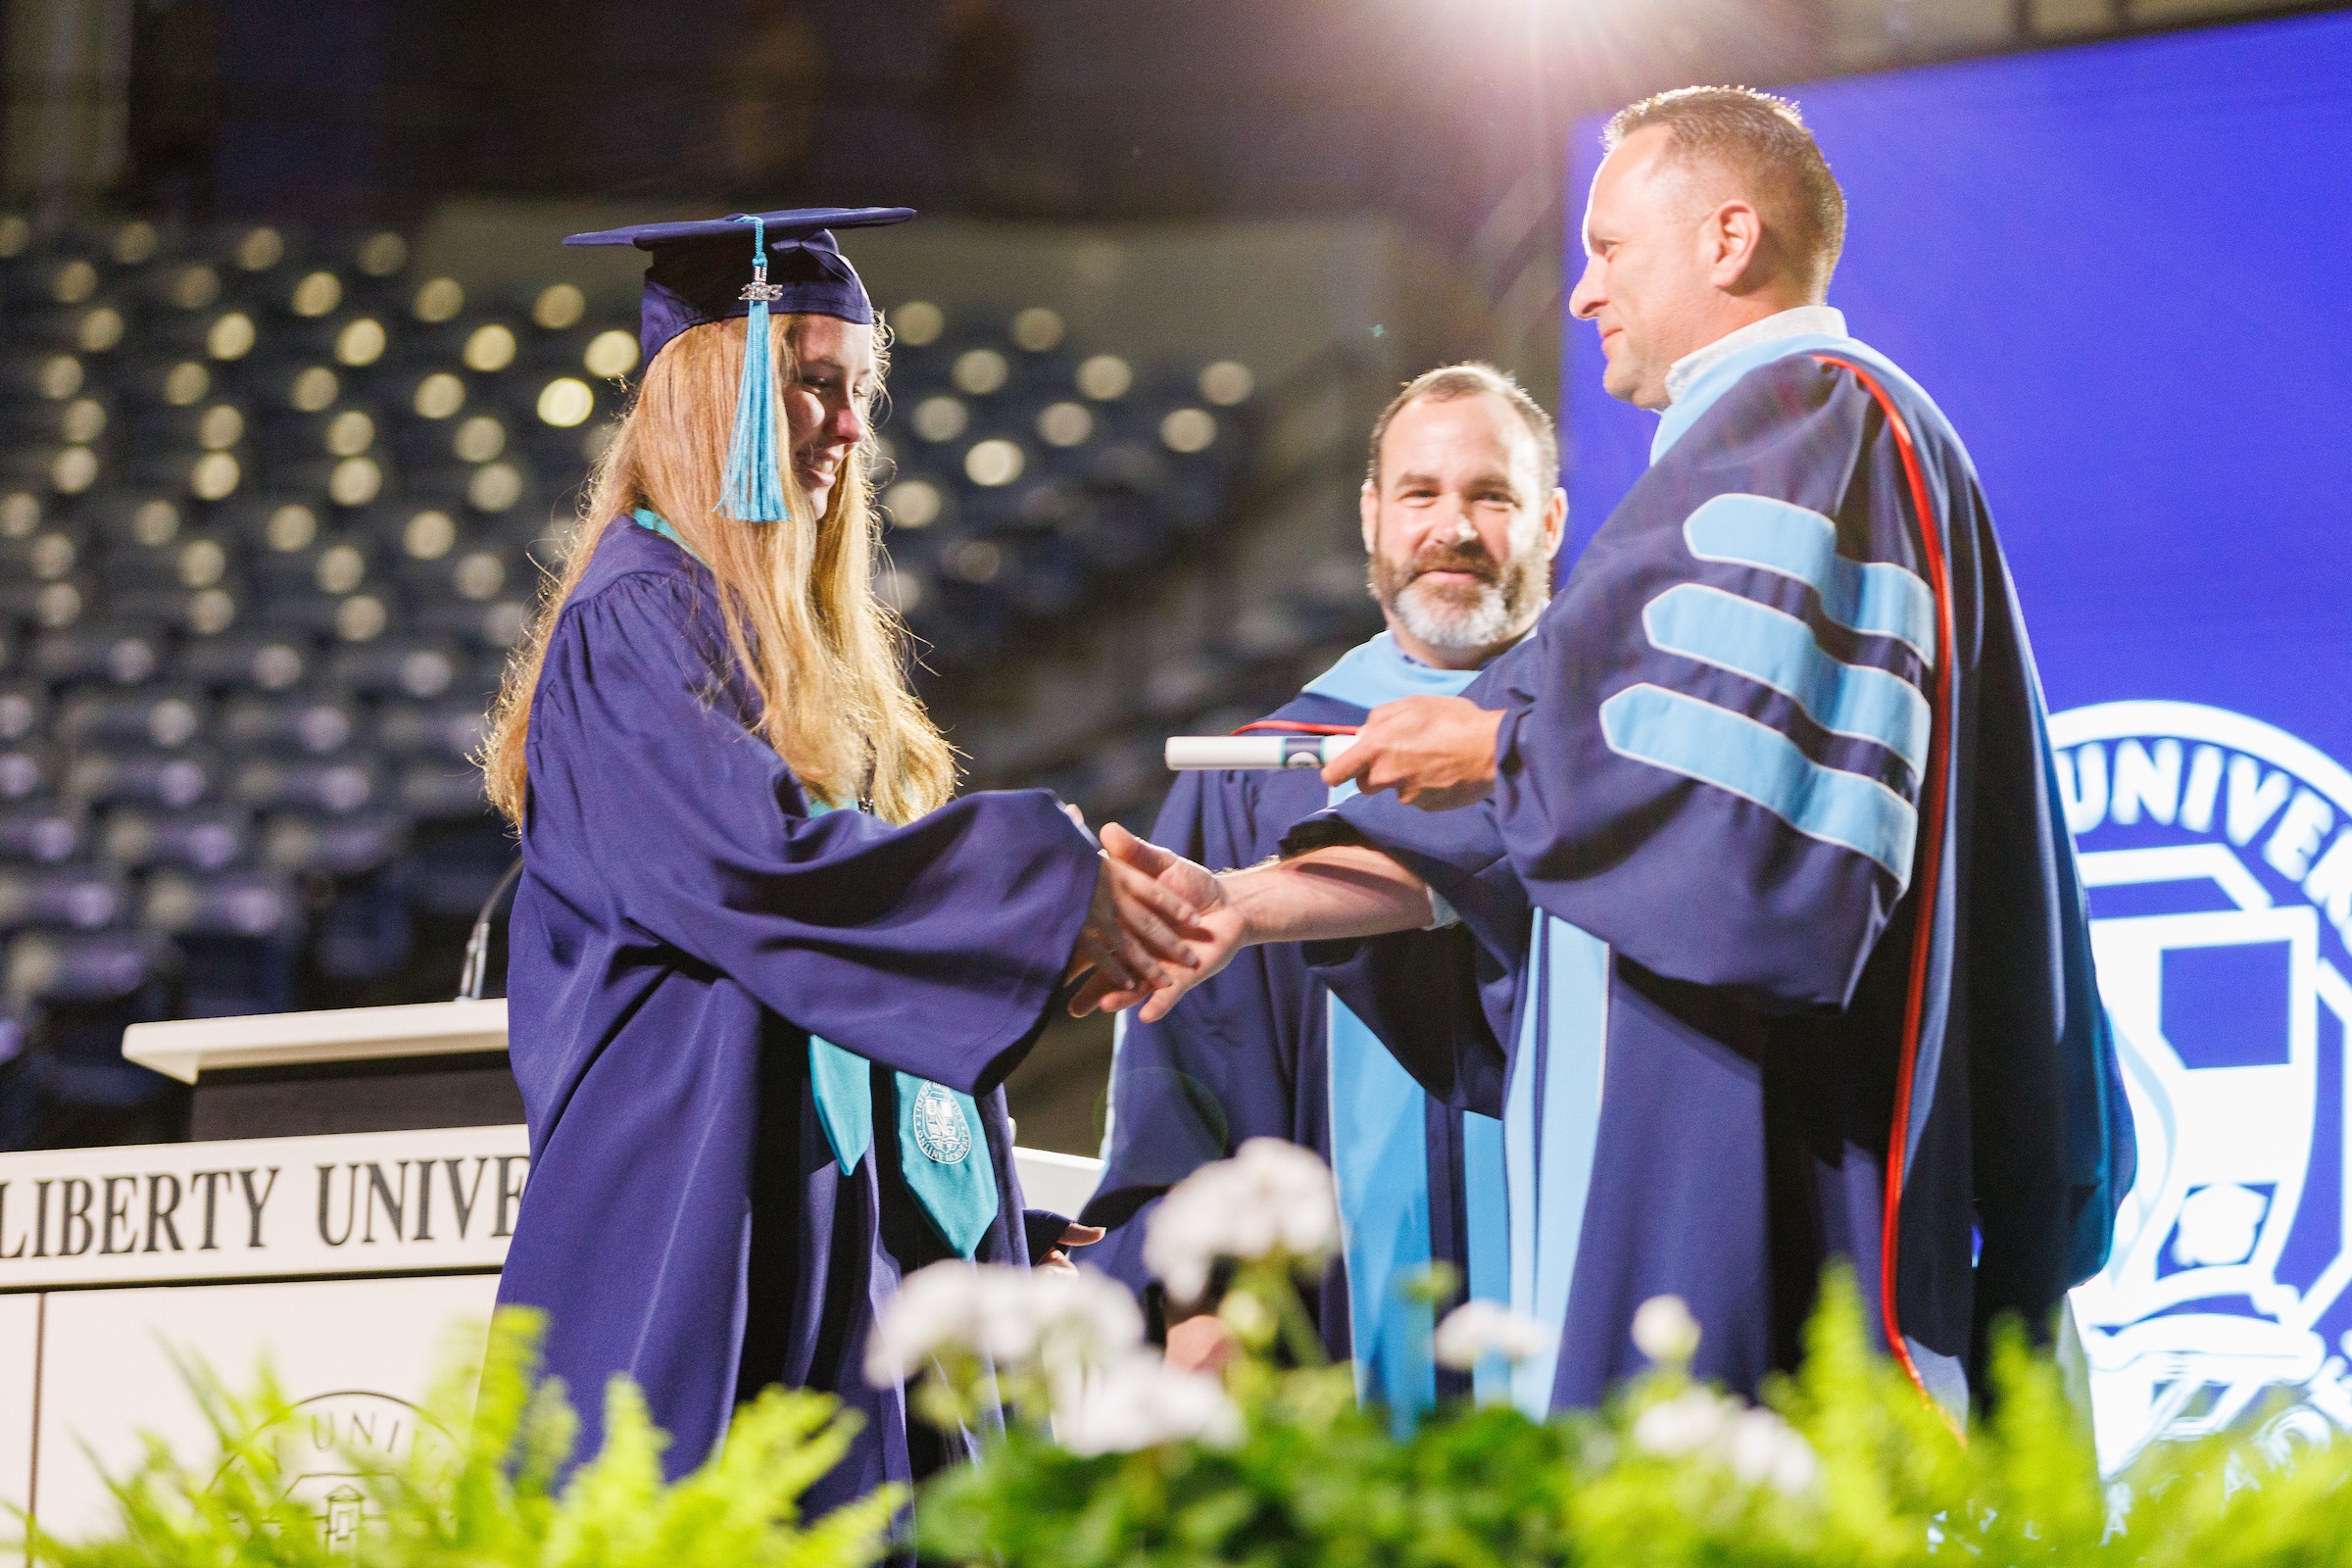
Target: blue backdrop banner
2121,270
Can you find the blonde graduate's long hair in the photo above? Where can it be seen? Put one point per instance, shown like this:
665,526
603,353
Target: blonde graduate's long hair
826,656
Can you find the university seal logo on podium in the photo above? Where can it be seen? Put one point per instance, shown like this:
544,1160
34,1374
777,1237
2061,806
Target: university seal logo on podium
329,1444
2218,854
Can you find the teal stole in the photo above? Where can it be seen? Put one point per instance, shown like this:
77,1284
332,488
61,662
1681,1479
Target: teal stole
1550,1126
943,1153
1379,1139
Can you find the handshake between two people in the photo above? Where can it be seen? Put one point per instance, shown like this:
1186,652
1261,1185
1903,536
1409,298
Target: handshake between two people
1161,924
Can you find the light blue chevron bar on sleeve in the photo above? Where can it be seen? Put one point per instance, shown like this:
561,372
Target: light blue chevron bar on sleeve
1779,651
1715,746
1875,598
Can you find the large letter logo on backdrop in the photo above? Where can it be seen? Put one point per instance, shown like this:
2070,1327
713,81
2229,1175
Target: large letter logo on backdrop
2221,874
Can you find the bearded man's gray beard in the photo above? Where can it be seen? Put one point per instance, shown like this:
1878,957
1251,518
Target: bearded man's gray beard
1464,619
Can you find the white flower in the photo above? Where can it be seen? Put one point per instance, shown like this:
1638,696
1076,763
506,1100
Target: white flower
1764,1450
934,1308
1478,1329
1013,1317
1081,1318
1756,1445
1665,1331
1139,1401
1004,1318
1186,1234
1272,1196
1693,1421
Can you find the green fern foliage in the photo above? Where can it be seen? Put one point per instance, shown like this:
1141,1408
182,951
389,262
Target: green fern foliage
1846,1465
495,1493
1671,1475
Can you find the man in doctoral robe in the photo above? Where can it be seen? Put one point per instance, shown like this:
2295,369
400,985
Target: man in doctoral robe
1776,757
1462,516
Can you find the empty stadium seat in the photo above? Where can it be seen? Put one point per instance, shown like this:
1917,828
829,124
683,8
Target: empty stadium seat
76,992
336,845
99,652
43,831
316,723
238,933
204,839
80,897
141,775
165,716
27,767
252,903
244,659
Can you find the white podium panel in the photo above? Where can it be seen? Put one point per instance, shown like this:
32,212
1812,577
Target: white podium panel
398,1202
1062,1182
19,1381
347,1261
357,1358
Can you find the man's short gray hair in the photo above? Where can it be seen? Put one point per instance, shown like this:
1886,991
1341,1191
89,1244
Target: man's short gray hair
1469,380
1762,141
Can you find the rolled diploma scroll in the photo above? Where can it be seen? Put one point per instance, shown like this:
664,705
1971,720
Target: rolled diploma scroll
1198,753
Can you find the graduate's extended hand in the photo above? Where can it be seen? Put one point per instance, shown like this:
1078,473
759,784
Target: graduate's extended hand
1072,1235
1437,753
1213,934
1134,940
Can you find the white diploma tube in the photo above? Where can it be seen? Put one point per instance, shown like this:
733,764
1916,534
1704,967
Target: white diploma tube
1198,753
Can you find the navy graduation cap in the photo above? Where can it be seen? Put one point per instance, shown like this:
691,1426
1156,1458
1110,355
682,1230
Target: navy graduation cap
699,268
710,269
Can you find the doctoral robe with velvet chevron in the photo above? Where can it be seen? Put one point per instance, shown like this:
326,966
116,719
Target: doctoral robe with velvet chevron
683,925
1779,744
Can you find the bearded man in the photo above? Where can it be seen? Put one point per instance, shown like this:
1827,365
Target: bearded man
1462,515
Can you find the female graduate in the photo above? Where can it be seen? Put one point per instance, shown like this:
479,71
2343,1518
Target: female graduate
764,984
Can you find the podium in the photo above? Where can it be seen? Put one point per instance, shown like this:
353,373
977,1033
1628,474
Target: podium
343,1210
361,1069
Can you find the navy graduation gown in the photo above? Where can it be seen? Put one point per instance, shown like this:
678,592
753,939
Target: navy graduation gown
1778,744
1248,1056
682,925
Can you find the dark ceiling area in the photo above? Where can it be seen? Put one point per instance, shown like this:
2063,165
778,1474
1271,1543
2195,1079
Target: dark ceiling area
369,110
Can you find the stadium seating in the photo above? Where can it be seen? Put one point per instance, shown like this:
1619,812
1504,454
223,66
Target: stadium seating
272,511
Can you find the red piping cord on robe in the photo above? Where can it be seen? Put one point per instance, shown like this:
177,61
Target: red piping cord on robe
1931,867
1284,726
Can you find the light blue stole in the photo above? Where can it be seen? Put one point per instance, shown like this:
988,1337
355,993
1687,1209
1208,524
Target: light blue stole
1528,1174
943,1155
1550,1126
1380,1137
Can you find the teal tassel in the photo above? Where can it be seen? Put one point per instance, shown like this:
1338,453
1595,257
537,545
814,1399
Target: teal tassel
753,490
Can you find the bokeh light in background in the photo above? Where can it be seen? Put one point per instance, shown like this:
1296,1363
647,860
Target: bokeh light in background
566,402
611,354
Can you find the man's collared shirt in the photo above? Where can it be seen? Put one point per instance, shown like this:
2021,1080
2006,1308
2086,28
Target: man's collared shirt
1823,319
